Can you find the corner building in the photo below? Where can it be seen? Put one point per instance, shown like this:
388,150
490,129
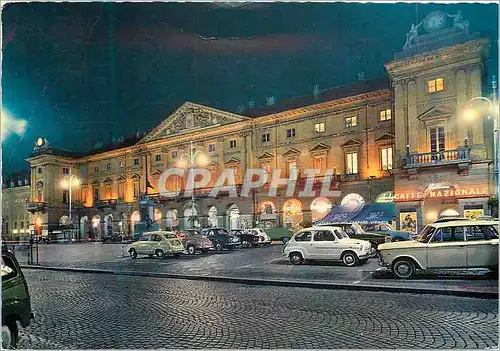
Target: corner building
383,138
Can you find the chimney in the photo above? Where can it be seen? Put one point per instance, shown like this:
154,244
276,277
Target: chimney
316,92
271,100
361,76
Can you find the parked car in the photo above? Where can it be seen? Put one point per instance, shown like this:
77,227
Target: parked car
16,302
113,238
355,231
326,243
159,243
246,237
221,238
263,237
278,233
386,229
457,244
193,241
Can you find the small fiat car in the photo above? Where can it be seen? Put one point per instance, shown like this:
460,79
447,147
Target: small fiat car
459,244
326,243
193,241
263,237
159,244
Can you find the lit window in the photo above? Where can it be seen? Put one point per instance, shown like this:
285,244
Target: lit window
290,133
386,157
319,162
107,191
211,147
96,193
39,170
266,166
174,154
351,121
136,162
122,164
65,170
266,137
319,127
136,189
96,169
292,170
232,143
65,196
385,115
351,163
158,157
108,167
435,85
84,195
437,138
121,190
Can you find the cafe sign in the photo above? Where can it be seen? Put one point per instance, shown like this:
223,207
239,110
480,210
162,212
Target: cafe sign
443,193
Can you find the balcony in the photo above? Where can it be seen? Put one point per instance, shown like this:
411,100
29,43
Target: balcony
350,177
437,158
34,207
108,203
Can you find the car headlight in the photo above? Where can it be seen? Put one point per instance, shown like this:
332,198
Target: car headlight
387,239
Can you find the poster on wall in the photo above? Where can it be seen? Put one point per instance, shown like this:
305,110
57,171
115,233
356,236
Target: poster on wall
408,221
474,213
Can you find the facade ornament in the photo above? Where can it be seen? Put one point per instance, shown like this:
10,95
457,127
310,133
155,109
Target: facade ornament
459,22
412,34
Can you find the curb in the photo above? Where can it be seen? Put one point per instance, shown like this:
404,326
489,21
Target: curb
268,282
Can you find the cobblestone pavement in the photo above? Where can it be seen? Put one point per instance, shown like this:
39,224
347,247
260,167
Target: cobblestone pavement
87,311
258,263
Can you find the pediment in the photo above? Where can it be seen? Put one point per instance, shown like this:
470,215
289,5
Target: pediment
232,160
386,137
320,148
265,156
213,165
190,117
352,143
135,176
120,178
108,180
435,112
291,152
156,173
96,182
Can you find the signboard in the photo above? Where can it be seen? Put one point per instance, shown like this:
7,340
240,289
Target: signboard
474,213
353,200
45,232
408,222
385,197
441,194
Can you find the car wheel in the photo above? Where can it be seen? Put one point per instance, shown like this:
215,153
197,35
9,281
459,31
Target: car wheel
296,258
244,244
133,253
403,268
284,240
191,249
159,253
349,259
10,335
218,246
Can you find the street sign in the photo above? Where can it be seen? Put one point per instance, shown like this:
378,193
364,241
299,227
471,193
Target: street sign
45,232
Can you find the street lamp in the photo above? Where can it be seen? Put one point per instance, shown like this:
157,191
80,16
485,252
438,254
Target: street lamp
69,181
192,157
471,114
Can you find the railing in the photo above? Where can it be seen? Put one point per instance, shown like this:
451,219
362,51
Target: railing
111,203
350,177
437,158
36,207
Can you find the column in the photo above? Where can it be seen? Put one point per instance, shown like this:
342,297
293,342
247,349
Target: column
400,121
458,129
412,116
475,89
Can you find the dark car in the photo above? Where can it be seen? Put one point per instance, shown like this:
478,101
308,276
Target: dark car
193,241
354,231
247,238
113,238
16,303
221,238
386,229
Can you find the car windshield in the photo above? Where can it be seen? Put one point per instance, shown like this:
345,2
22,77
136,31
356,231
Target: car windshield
426,233
357,228
341,234
377,227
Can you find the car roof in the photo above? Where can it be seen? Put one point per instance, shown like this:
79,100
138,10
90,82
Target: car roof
159,232
460,222
323,227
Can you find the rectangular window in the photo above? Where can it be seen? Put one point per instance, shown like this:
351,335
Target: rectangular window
108,166
319,162
121,190
319,127
84,195
232,143
22,225
15,225
176,183
65,197
65,170
386,115
435,85
351,160
136,162
96,169
386,158
351,121
213,175
266,166
292,171
122,164
437,139
158,157
96,193
39,170
290,133
174,154
211,147
266,137
107,191
136,189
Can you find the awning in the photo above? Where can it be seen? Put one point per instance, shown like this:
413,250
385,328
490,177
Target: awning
340,214
375,213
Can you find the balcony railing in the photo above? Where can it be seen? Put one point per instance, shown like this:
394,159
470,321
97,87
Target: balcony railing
437,158
108,203
36,207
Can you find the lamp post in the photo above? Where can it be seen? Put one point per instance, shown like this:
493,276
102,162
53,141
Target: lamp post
192,156
471,113
69,178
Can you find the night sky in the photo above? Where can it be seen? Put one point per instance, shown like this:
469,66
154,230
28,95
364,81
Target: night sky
82,73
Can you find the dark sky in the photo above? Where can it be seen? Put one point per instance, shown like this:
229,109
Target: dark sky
81,73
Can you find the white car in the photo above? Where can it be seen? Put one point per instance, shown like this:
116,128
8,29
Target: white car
263,237
326,243
458,244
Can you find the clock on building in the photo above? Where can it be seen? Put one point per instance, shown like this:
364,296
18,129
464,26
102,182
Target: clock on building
434,21
40,142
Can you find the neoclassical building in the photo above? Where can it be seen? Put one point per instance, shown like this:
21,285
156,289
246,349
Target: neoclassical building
386,138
